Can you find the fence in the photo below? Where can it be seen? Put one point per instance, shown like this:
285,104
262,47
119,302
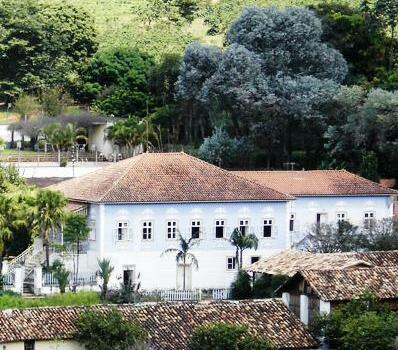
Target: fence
83,280
8,279
187,295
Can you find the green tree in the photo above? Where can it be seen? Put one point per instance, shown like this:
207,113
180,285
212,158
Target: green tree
242,242
105,270
60,274
49,42
107,330
184,255
50,217
5,232
116,82
26,106
76,230
265,285
241,288
54,101
369,166
224,336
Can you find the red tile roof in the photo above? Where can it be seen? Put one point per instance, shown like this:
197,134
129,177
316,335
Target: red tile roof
290,262
164,177
317,182
168,325
341,285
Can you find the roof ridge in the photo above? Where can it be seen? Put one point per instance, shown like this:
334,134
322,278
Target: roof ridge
125,172
370,181
288,196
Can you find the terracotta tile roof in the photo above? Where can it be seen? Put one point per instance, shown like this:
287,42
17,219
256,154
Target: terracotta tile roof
164,177
168,324
316,182
75,206
42,182
289,262
340,285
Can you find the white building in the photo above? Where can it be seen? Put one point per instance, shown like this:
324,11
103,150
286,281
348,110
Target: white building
138,207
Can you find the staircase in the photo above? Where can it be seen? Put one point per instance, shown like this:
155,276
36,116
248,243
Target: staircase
29,258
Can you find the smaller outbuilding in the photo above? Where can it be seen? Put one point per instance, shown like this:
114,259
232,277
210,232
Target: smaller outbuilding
312,292
169,325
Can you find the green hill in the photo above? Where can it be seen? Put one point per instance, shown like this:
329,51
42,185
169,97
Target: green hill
123,22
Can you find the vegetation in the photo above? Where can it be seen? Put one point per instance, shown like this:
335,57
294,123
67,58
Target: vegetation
363,323
105,270
223,336
109,330
242,241
9,300
241,288
60,274
184,255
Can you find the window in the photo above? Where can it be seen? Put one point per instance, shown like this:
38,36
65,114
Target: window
291,222
341,216
171,229
267,228
369,219
195,228
220,227
29,345
321,218
147,230
93,234
254,259
231,263
122,230
244,227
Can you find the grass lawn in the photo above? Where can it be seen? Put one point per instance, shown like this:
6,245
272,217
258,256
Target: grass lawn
11,301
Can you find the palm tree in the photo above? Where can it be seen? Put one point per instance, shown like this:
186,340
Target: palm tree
183,254
105,270
242,242
50,216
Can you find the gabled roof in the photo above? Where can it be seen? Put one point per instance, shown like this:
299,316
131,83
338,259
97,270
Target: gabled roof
289,262
317,182
341,285
168,325
164,177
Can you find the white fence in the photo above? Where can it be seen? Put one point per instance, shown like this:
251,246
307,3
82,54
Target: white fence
188,295
8,279
83,280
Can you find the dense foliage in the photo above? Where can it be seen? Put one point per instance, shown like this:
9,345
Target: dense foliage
104,331
362,324
223,336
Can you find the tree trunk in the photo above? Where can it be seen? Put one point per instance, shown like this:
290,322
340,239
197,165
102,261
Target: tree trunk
183,275
237,256
391,61
77,265
47,255
241,259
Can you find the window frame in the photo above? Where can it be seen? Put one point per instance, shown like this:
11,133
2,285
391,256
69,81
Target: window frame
292,222
92,224
369,222
341,219
171,227
150,227
29,344
216,226
233,263
258,257
126,227
270,223
246,222
197,224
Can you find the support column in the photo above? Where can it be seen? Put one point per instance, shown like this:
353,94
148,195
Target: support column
101,229
324,307
19,276
304,309
38,280
286,298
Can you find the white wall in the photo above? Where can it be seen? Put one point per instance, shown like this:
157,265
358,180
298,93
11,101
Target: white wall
160,271
306,209
31,170
45,345
97,137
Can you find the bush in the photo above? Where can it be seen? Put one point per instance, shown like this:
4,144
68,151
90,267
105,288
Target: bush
223,336
104,331
265,286
362,324
241,288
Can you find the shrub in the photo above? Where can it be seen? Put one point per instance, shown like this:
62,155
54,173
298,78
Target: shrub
60,274
104,331
241,287
223,336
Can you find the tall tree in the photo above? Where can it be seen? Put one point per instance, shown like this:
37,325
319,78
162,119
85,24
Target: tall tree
184,255
242,242
76,231
50,217
105,270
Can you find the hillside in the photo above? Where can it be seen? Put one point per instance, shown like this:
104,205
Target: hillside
122,22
